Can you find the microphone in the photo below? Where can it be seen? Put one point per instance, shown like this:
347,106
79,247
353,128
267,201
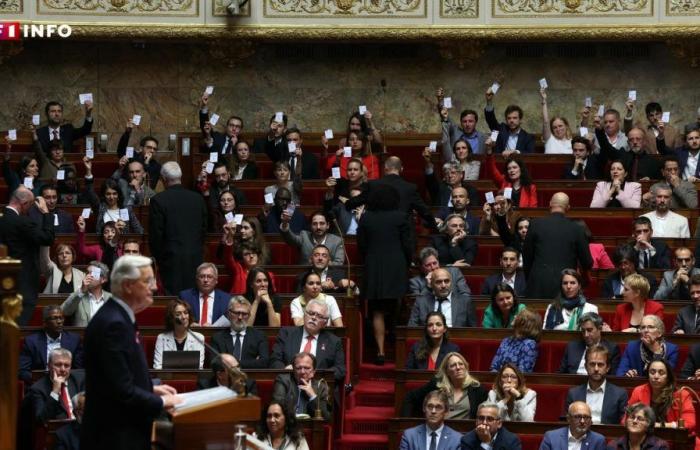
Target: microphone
350,291
236,376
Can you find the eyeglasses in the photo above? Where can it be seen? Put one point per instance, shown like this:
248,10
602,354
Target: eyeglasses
487,419
640,419
315,315
581,417
238,313
647,327
430,407
509,376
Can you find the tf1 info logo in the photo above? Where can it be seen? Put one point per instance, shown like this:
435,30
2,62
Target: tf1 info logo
14,31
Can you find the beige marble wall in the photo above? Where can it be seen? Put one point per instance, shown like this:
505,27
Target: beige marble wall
162,82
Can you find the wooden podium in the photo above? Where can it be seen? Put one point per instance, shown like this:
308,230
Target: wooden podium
207,426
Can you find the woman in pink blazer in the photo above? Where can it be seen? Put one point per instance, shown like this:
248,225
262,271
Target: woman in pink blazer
617,193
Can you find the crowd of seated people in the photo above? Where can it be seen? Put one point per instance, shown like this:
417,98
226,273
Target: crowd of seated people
441,295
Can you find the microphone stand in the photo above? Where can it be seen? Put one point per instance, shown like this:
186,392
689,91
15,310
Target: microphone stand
237,378
350,291
318,414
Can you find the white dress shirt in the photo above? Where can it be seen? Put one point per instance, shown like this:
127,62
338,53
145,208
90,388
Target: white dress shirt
573,443
52,344
95,303
594,398
314,343
446,309
438,432
691,166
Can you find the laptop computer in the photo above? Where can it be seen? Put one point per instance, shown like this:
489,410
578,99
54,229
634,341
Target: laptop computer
173,359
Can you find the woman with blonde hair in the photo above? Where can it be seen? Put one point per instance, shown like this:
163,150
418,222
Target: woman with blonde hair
628,315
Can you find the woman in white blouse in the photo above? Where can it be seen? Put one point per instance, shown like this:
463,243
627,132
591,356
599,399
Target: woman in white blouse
556,132
515,400
61,276
176,338
311,290
462,153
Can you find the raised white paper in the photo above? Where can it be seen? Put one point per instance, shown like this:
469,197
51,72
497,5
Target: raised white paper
95,273
601,110
335,172
290,209
588,102
89,143
229,217
12,135
583,131
329,133
543,83
279,117
209,167
666,117
214,157
495,87
347,152
292,147
90,153
490,198
214,119
36,119
86,213
209,90
632,95
61,174
55,220
238,218
85,97
29,182
494,135
269,199
124,214
136,119
433,146
508,193
447,102
130,152
362,110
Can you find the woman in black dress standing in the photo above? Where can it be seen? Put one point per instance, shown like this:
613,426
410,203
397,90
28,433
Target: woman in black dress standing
383,239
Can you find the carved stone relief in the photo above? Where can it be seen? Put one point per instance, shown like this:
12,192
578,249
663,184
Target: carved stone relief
572,8
10,6
345,8
682,7
120,7
459,8
219,8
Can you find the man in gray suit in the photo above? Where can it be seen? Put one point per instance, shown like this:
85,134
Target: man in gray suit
307,240
300,391
83,304
458,308
687,318
434,434
676,283
420,284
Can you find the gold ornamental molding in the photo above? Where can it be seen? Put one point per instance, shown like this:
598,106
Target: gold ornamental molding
11,7
572,8
351,9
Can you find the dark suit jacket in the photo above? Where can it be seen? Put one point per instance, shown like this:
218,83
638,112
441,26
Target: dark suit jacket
683,161
558,439
152,168
23,238
662,257
422,364
218,138
685,320
463,310
614,401
441,192
309,162
255,352
418,285
335,273
65,220
68,437
574,352
593,171
286,391
553,243
612,283
447,254
492,280
33,354
471,219
209,381
44,407
329,350
692,363
526,142
67,133
221,300
177,227
647,165
505,440
120,404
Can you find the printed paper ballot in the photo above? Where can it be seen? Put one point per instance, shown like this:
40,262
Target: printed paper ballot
209,90
12,135
185,146
433,146
130,152
90,153
214,119
329,134
494,135
588,102
61,175
229,217
269,199
85,98
489,198
335,172
36,119
292,146
95,273
290,209
666,117
508,193
279,117
601,110
347,152
86,213
29,182
89,143
447,102
124,214
55,220
209,167
583,131
632,95
238,218
362,109
543,83
495,87
214,157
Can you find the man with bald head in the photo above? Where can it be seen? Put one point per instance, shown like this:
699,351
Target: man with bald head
23,238
577,435
553,243
457,308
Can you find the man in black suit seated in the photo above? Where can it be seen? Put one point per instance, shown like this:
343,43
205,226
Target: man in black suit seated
222,143
50,395
454,245
688,318
275,135
247,345
574,359
280,151
421,284
586,165
68,436
489,432
144,153
607,401
458,309
509,274
300,391
653,252
310,338
62,220
511,137
222,181
66,133
460,206
626,260
333,278
220,375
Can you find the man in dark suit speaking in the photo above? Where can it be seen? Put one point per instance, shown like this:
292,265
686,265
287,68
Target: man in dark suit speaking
121,401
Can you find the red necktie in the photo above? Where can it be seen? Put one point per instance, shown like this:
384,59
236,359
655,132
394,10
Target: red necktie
65,401
309,342
205,310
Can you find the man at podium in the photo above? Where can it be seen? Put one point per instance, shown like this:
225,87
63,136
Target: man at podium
121,402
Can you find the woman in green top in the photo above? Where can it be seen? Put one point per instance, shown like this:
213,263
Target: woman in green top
503,308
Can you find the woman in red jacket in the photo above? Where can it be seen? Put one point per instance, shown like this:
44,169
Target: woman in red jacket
361,149
628,315
524,191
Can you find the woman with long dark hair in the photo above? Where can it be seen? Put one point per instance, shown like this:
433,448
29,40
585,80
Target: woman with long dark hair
429,352
265,304
109,208
563,313
503,308
514,399
178,320
109,248
280,430
524,191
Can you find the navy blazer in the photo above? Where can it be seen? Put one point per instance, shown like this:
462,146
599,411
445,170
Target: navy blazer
505,440
525,144
67,133
632,358
683,161
492,280
68,437
422,364
255,351
614,401
33,355
415,438
558,440
120,405
221,300
574,352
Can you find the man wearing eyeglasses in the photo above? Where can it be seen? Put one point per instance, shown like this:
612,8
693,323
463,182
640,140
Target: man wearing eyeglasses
247,345
434,433
576,436
489,433
313,338
676,283
300,391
